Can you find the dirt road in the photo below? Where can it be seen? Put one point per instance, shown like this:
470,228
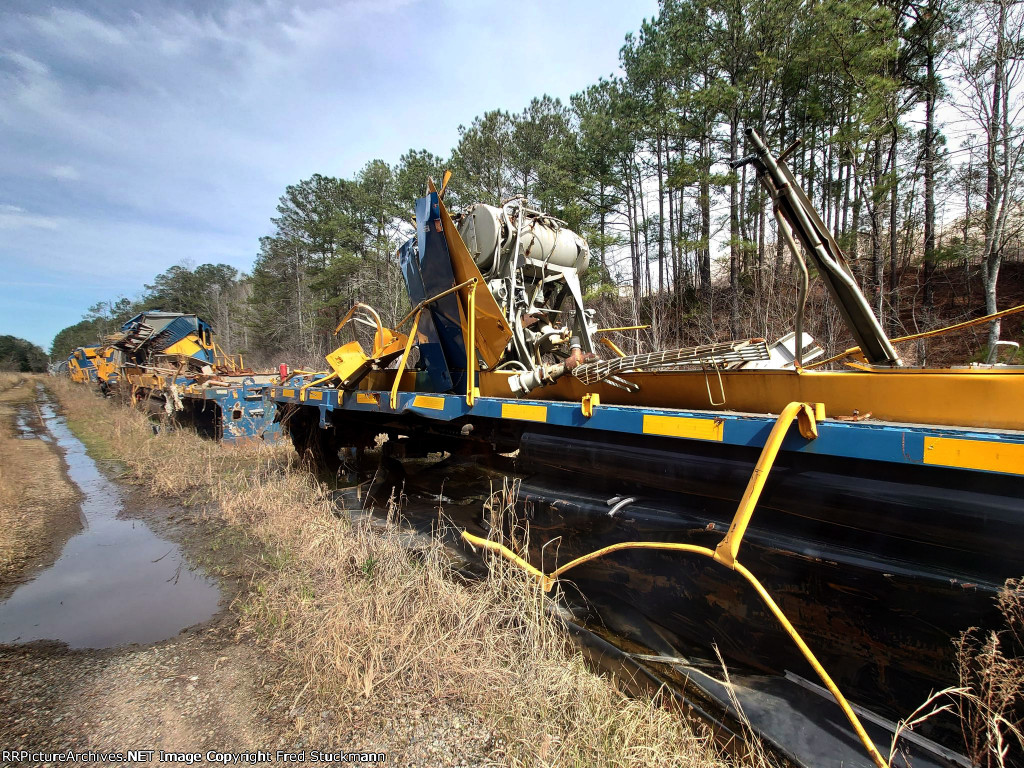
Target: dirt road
198,690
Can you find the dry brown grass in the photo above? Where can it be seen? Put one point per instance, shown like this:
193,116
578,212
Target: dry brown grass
991,668
384,636
37,502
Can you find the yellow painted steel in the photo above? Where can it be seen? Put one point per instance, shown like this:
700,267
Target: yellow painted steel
524,412
405,357
347,359
725,554
78,374
426,401
423,304
613,347
623,328
472,390
983,398
683,426
350,361
187,346
490,329
75,372
226,362
492,546
315,382
316,395
105,368
728,548
367,399
989,455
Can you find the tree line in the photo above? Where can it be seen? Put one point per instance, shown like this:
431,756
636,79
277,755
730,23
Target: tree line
638,164
215,292
21,356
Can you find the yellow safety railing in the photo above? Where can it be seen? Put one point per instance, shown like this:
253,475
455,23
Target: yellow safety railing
304,387
623,328
223,360
726,553
472,391
404,359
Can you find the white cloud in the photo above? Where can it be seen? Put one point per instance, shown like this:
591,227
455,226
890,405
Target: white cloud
26,63
14,217
66,172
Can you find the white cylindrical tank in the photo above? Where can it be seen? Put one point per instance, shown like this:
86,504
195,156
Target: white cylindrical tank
551,244
484,230
481,232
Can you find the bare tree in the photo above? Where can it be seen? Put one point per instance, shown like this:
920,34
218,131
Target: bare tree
991,64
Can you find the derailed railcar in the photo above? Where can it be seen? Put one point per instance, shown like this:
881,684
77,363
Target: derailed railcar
171,365
829,532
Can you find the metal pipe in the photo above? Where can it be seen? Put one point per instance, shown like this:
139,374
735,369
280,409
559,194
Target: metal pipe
405,359
432,299
844,288
623,328
471,388
613,347
787,234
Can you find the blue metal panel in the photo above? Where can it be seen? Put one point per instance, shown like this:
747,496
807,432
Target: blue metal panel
437,275
431,352
175,331
246,414
178,329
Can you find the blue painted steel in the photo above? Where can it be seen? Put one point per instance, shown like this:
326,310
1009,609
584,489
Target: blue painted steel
435,267
172,327
245,413
431,353
876,441
178,329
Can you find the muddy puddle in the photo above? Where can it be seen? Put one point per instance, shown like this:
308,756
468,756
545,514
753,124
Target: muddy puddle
116,582
23,423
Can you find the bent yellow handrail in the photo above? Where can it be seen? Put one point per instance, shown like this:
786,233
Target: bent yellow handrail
924,334
612,346
304,387
729,547
405,359
434,298
725,554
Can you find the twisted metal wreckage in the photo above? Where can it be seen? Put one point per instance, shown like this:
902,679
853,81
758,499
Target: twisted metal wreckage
830,564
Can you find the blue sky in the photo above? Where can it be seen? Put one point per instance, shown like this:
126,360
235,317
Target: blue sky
137,135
